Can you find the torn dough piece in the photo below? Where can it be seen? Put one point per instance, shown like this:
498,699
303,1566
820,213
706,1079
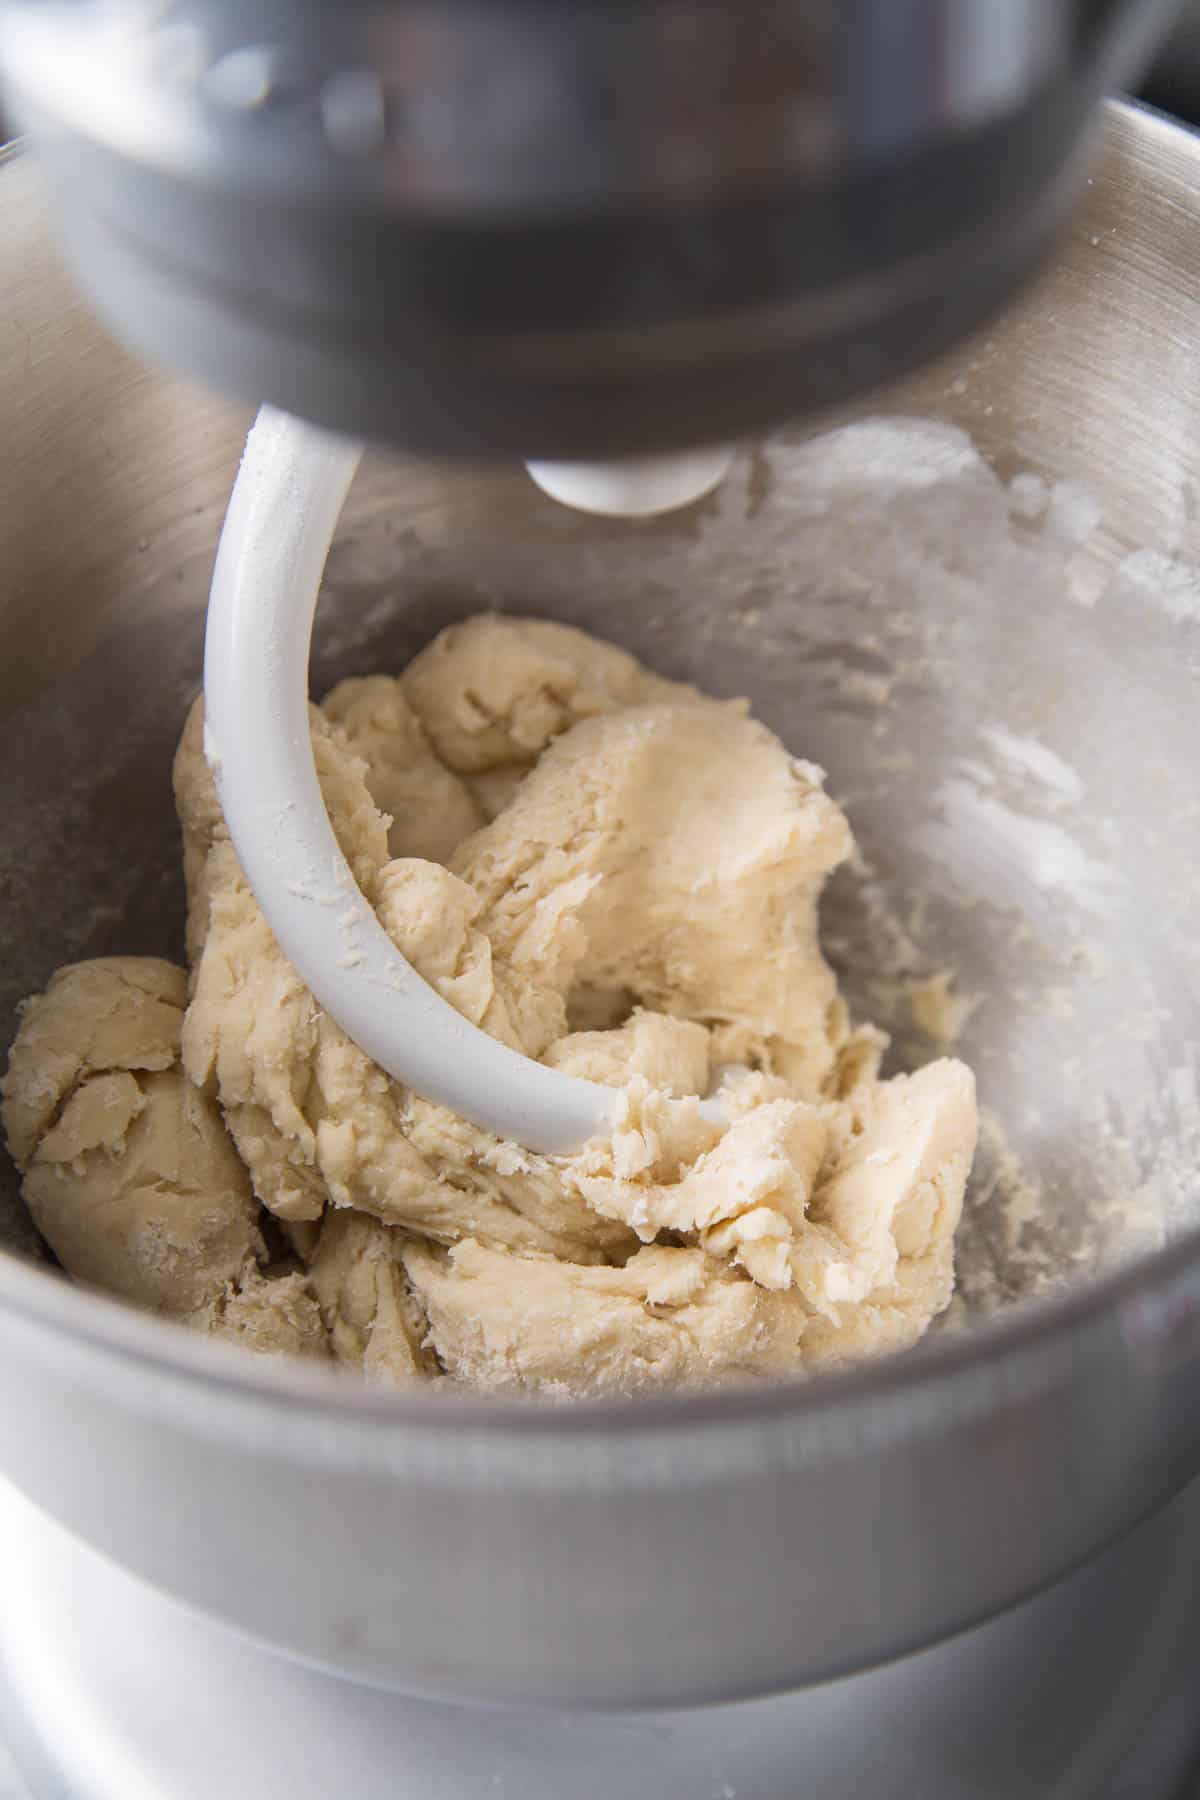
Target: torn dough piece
602,869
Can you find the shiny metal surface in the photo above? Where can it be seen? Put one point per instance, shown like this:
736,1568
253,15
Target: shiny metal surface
686,1548
109,1690
559,230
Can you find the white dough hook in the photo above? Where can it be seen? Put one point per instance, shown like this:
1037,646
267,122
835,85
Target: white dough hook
282,514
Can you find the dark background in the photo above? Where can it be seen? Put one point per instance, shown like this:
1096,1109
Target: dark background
1174,82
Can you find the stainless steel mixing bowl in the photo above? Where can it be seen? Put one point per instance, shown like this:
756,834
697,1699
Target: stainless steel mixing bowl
1001,680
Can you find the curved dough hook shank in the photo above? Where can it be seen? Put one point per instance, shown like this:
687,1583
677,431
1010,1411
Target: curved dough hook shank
605,871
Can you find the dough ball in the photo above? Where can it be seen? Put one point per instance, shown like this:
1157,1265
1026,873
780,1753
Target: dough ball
128,1171
138,1190
121,1012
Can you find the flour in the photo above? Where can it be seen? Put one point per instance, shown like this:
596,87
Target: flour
1072,513
1015,850
1002,905
1031,762
1151,577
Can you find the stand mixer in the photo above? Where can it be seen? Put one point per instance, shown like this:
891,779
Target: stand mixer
563,232
868,1515
566,233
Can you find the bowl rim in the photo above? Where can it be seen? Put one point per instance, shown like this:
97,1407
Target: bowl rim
179,1366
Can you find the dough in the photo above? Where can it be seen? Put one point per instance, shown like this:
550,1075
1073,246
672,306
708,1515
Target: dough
128,1169
605,870
491,693
430,809
276,1315
367,1306
679,852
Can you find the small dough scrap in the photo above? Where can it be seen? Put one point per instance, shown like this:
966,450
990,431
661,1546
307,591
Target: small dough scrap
274,1315
431,810
510,1324
373,1319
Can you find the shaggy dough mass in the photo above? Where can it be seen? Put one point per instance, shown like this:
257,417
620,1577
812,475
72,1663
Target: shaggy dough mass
605,870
